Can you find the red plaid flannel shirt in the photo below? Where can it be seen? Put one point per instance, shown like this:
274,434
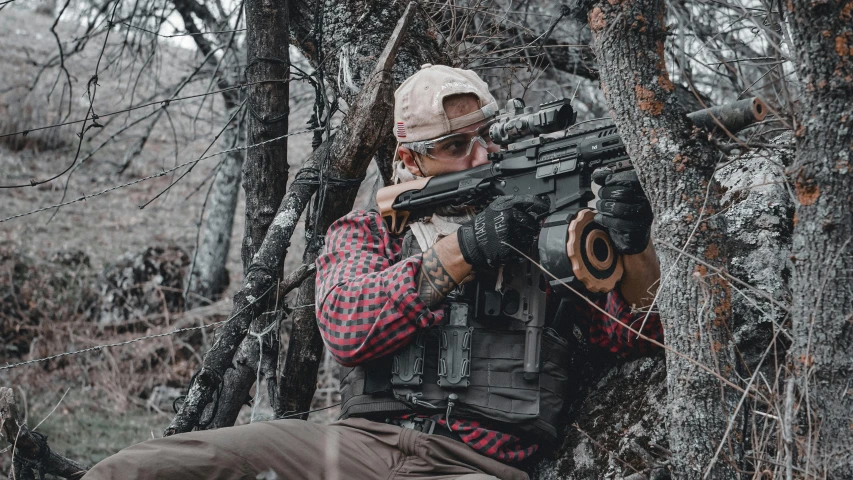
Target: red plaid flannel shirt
368,306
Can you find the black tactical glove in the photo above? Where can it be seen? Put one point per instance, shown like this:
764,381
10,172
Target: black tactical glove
623,210
509,219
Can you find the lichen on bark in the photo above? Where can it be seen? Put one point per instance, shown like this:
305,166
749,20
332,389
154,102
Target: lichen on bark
675,166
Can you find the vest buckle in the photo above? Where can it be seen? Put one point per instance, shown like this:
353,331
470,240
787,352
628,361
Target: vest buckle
419,424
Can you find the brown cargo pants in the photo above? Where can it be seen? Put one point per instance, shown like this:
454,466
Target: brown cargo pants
295,449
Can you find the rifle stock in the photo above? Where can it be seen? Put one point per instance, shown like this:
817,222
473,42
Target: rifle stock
395,220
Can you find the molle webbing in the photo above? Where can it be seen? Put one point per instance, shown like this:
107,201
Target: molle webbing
498,390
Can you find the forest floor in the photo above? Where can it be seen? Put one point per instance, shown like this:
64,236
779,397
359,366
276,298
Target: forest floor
93,404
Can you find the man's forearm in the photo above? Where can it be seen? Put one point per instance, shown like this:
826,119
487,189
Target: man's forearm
442,269
641,277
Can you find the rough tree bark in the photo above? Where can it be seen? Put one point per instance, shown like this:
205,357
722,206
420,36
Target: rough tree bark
352,34
265,170
675,166
821,356
305,351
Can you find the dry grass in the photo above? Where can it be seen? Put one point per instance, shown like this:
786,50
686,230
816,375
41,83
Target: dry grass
48,303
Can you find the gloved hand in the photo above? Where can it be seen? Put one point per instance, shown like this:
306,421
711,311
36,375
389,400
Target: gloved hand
510,219
623,210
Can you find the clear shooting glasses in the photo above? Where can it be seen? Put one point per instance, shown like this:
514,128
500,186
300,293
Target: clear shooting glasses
454,146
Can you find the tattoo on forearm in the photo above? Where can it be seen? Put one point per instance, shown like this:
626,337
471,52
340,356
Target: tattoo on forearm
434,283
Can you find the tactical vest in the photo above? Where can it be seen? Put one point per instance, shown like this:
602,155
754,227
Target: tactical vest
470,366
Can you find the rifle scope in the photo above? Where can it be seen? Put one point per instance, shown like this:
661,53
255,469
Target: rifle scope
517,121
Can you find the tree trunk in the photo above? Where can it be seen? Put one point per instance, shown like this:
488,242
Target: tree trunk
633,436
821,356
675,167
353,33
265,170
209,277
305,350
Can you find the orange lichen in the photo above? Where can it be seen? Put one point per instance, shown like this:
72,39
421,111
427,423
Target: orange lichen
712,252
847,11
680,162
841,46
640,20
665,83
646,100
716,346
596,20
807,192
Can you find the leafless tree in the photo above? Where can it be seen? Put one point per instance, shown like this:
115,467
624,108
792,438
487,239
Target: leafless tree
753,231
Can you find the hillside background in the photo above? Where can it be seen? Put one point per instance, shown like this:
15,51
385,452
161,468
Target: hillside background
103,270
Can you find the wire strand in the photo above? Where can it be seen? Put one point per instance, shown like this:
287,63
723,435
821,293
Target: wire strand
140,180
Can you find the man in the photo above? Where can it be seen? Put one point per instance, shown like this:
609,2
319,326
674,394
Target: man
381,303
377,294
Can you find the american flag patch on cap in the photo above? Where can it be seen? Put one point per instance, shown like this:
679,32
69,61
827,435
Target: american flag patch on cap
401,130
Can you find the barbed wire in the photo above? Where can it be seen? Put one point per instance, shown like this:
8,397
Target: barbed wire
91,91
186,34
147,337
158,174
165,103
110,345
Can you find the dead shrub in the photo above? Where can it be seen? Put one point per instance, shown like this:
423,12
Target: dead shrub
21,111
50,306
37,292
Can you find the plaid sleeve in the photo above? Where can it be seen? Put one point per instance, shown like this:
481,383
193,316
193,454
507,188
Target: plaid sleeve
367,305
607,333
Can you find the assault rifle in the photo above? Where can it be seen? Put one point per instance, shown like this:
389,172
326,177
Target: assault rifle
543,156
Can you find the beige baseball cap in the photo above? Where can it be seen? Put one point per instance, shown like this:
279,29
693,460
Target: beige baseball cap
419,102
